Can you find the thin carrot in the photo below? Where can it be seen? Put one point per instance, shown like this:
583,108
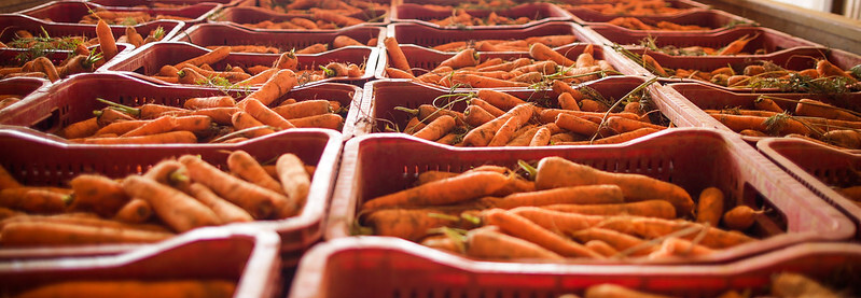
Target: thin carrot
397,59
557,172
782,125
246,167
592,194
651,227
619,241
501,100
710,206
619,138
162,138
489,243
198,103
340,20
22,234
447,191
520,227
681,248
737,45
623,125
330,121
226,211
478,81
304,108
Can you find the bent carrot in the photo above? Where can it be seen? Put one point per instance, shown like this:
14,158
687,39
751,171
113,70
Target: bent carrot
482,135
542,52
465,58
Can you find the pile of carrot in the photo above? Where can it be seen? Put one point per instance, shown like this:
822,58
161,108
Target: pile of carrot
466,69
568,210
199,71
166,288
208,119
340,41
735,47
34,62
174,196
634,23
473,5
337,7
578,116
126,18
496,45
632,8
783,285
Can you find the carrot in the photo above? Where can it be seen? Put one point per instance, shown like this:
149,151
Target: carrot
592,194
541,137
134,212
246,167
449,139
411,224
651,227
782,125
224,210
489,243
278,85
827,69
395,73
447,191
295,182
212,57
623,125
787,284
162,138
262,113
7,180
737,46
648,208
397,59
505,132
475,116
243,121
330,121
653,65
576,124
18,234
518,226
431,176
680,247
740,217
477,81
562,137
341,41
120,127
75,65
492,109
134,289
809,107
160,125
107,116
766,104
176,209
619,241
106,40
710,206
482,135
338,19
611,290
558,222
304,108
557,172
501,100
846,138
220,116
45,65
258,201
190,76
34,200
542,52
97,193
465,58
619,138
436,129
442,242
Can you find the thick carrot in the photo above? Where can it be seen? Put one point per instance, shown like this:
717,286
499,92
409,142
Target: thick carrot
178,210
619,138
305,108
264,114
17,234
476,115
559,222
258,201
541,137
7,180
710,206
395,73
788,284
612,291
134,212
198,288
740,218
557,172
501,100
576,124
482,135
436,129
212,57
766,104
209,102
242,121
542,52
341,41
246,167
412,224
601,248
278,85
649,208
653,65
782,126
97,193
518,226
226,211
505,132
160,125
107,43
330,121
465,58
489,243
827,69
295,182
44,65
680,247
80,129
651,227
619,241
162,138
447,191
592,194
809,107
397,59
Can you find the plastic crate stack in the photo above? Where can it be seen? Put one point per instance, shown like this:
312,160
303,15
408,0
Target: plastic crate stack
561,77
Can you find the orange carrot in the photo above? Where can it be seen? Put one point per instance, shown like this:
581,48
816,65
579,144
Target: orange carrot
619,138
278,85
477,81
623,125
651,227
601,248
653,65
97,193
295,182
680,247
246,167
559,222
520,227
557,172
226,211
22,234
160,125
198,288
619,241
541,137
395,73
710,206
410,224
262,113
737,46
501,100
34,200
212,57
161,138
809,107
576,124
465,58
340,20
176,209
482,135
784,125
304,108
134,212
489,243
827,69
447,191
341,41
592,194
208,102
612,290
505,132
542,52
648,208
397,59
7,180
740,217
244,121
475,115
766,104
107,43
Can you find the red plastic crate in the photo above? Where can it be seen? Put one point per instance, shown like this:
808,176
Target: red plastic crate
251,15
75,99
39,161
693,158
24,87
429,37
386,267
797,60
16,22
698,97
818,167
69,11
151,57
383,96
421,58
772,41
248,258
221,34
153,3
537,12
580,12
718,20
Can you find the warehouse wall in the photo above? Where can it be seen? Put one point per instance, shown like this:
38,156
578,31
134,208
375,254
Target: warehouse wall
827,29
